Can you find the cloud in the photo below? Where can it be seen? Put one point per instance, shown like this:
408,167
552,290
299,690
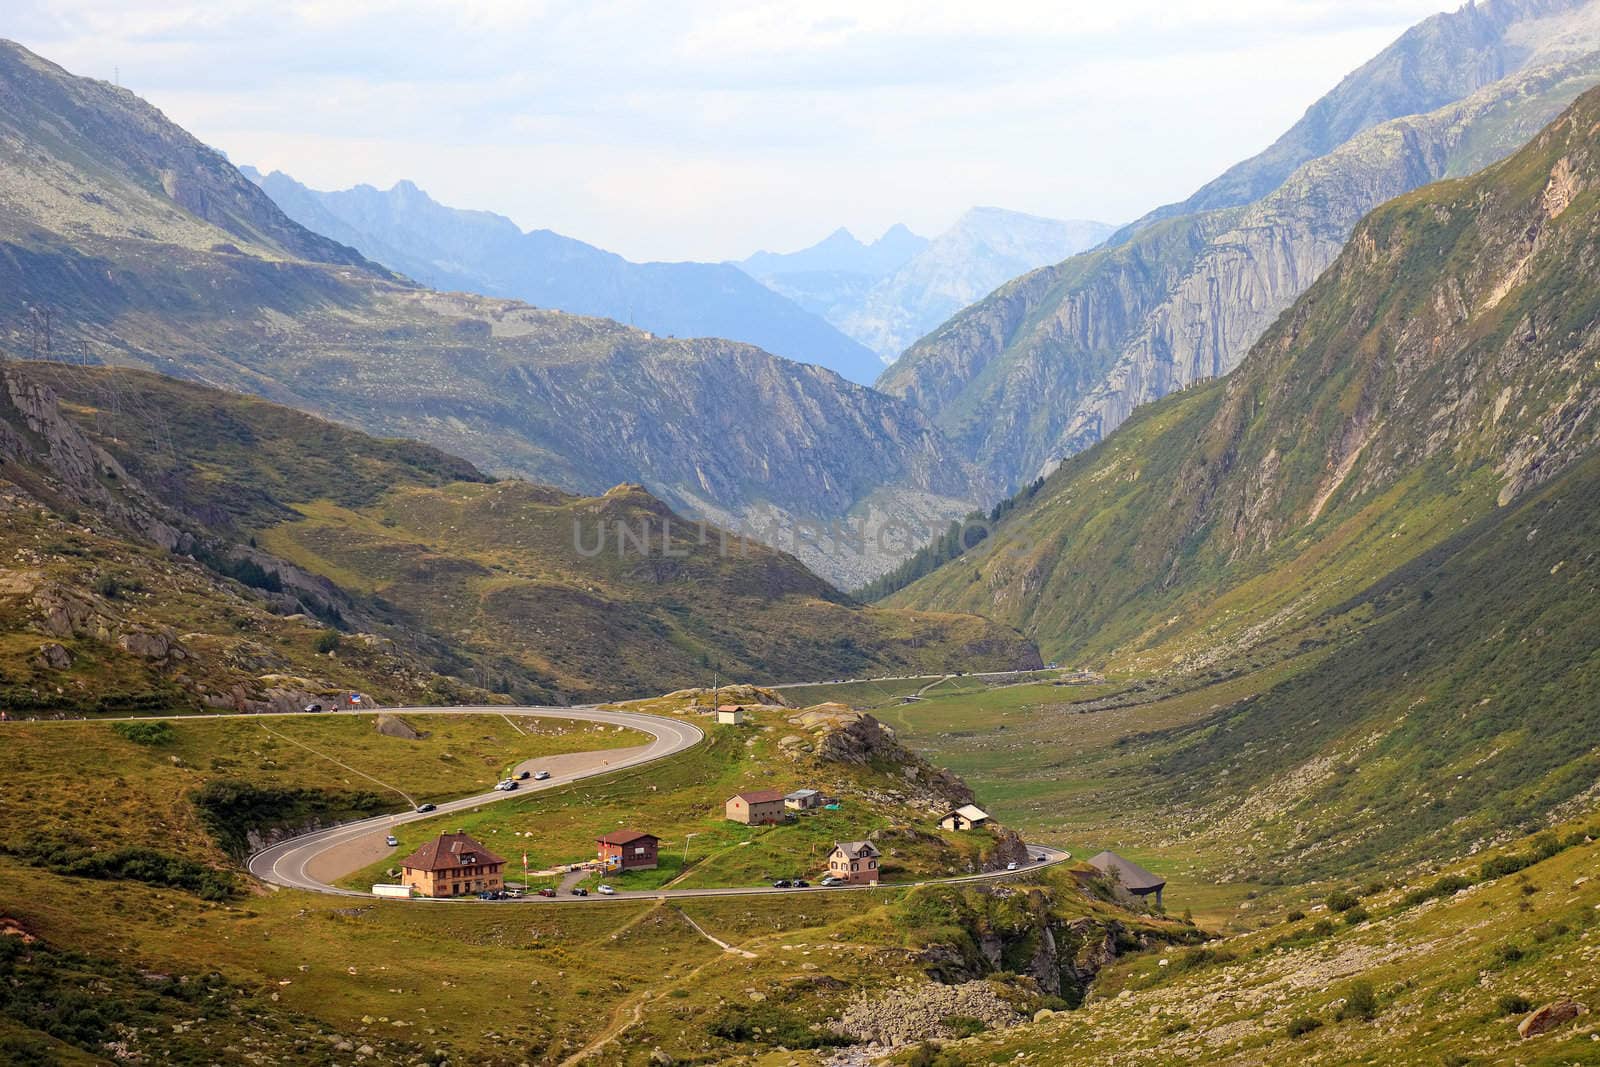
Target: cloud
703,130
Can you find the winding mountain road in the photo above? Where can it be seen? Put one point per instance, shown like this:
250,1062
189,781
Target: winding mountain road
290,863
303,862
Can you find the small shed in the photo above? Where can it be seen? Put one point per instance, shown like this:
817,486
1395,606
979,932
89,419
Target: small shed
730,715
803,799
965,817
759,807
1128,875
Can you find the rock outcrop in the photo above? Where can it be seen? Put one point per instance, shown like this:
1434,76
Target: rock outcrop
865,741
1549,1017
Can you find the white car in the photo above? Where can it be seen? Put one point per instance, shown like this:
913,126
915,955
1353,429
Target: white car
540,776
392,841
607,891
1011,866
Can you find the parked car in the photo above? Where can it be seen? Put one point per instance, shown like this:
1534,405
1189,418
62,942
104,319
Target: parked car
313,707
801,883
547,892
540,776
782,883
524,776
607,891
579,891
425,807
507,786
514,894
830,881
391,841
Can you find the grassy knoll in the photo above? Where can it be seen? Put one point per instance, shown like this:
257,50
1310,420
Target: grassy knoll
86,781
684,796
1449,977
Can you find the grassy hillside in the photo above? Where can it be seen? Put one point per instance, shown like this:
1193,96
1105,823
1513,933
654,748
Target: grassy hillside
1440,368
184,954
399,550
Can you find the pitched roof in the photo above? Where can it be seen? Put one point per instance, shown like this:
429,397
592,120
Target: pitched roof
970,812
854,850
730,707
450,850
1129,874
625,837
801,794
759,796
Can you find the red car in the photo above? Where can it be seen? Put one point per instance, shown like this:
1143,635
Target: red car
547,892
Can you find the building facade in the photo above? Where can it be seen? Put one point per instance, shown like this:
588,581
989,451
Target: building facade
628,850
453,865
803,800
965,817
760,807
855,862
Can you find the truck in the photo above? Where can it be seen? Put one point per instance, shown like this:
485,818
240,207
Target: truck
402,892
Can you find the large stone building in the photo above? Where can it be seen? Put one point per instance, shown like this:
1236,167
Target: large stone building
452,865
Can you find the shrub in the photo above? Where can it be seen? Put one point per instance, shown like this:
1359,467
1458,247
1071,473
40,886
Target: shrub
327,641
156,732
1448,886
1514,1004
1341,900
1356,916
1322,928
108,587
1360,1001
1501,866
1373,888
1303,1025
1509,953
1294,916
963,1025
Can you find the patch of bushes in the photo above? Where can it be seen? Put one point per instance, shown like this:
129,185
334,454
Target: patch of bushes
929,1055
1514,1004
327,641
1304,1025
232,809
1448,886
771,1025
1204,956
1360,1001
1356,916
1341,900
158,732
131,863
963,1025
1294,916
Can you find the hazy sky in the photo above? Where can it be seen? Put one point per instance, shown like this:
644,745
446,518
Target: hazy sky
689,130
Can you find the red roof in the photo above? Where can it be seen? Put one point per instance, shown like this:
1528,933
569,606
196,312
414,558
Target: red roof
624,837
760,796
450,850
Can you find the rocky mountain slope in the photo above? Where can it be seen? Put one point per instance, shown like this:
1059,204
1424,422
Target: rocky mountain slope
478,251
1383,523
1053,361
99,263
167,541
888,294
1440,368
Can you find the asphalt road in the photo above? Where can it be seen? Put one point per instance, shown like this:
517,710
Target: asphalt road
286,863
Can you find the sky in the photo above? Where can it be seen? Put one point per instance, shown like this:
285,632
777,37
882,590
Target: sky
678,129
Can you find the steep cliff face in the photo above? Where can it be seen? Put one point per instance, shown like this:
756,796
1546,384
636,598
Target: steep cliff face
1052,362
1443,365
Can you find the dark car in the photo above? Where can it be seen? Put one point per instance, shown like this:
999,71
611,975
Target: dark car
525,775
313,707
579,891
782,883
425,807
801,883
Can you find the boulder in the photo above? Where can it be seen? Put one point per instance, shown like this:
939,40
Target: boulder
52,656
1544,1019
395,726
